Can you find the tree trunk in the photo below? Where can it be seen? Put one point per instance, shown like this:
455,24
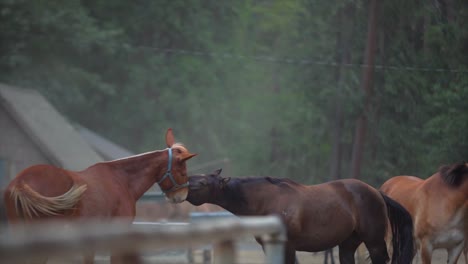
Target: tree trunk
376,108
361,123
345,23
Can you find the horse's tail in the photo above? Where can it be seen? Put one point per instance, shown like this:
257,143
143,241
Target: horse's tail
402,231
30,204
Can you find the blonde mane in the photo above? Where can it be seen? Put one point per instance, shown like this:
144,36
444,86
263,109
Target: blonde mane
179,146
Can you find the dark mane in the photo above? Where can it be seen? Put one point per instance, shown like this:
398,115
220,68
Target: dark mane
276,181
280,181
235,193
455,174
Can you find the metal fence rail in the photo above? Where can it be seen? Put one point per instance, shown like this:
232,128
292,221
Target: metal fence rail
64,239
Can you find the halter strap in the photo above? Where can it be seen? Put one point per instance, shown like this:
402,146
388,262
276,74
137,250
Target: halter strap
168,174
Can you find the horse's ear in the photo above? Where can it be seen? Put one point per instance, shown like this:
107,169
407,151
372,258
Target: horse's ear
224,181
218,172
169,138
186,156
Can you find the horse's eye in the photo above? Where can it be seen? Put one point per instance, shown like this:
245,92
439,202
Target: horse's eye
178,151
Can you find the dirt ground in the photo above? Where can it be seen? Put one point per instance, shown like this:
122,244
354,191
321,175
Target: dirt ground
249,253
257,257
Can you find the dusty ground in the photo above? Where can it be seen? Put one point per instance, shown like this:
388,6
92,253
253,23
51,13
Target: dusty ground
256,257
249,253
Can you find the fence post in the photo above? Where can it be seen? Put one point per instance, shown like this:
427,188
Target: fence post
224,252
190,258
206,256
273,245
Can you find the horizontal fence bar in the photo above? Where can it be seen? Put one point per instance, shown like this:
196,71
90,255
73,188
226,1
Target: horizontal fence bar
160,223
65,238
153,196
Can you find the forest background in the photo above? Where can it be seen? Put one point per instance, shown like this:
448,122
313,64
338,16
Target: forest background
309,90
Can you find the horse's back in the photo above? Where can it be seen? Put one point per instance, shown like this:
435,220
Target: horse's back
401,182
365,205
364,197
41,191
405,190
46,180
364,202
355,190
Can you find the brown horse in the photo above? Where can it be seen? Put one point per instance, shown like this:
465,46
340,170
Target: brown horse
344,213
439,207
104,191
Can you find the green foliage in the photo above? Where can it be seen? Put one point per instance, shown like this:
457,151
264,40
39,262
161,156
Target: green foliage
130,70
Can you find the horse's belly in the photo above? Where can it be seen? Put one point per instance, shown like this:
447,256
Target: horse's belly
311,247
450,234
322,230
448,238
314,242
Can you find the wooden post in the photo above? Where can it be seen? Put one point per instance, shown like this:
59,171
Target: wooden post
206,256
274,252
273,246
190,258
224,252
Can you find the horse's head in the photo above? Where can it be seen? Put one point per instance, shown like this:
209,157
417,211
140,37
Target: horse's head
205,188
175,182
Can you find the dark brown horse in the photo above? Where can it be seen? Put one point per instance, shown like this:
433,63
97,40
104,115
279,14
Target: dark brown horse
103,191
439,207
344,213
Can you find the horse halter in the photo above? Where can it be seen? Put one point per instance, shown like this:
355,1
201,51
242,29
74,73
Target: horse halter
175,186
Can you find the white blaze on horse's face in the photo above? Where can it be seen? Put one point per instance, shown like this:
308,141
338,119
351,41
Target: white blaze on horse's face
177,196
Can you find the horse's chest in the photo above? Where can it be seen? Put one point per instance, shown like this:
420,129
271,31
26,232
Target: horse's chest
452,233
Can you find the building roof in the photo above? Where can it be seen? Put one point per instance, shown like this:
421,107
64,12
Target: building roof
47,128
107,149
111,151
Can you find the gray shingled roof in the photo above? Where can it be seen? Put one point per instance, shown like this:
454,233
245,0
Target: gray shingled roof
52,133
107,149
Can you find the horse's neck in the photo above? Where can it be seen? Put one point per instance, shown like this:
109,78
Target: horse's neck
140,172
436,181
245,199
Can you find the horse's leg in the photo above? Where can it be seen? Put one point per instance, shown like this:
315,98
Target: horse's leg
88,258
347,249
331,256
378,252
40,260
126,258
454,253
329,252
290,254
465,252
425,251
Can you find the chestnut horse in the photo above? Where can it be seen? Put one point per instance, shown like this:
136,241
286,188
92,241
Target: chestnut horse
104,191
439,207
318,217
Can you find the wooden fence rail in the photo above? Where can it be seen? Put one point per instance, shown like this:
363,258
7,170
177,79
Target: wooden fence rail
65,239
